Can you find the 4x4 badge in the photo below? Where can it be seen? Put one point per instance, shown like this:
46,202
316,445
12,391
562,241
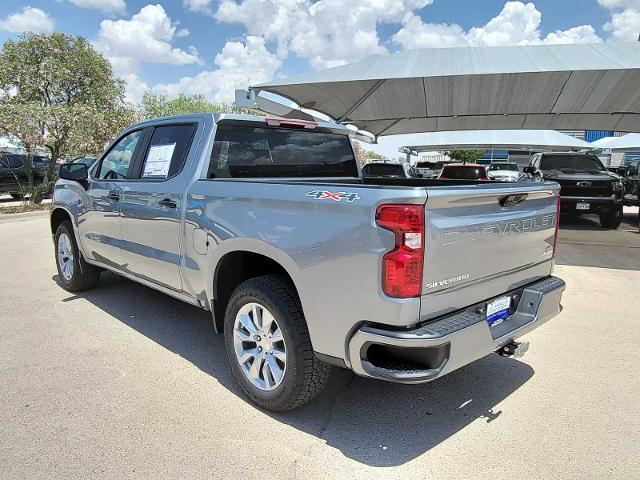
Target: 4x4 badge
337,196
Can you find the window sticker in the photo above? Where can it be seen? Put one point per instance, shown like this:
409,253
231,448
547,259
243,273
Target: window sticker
159,160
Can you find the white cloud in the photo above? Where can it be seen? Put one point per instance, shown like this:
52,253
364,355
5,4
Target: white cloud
202,6
625,25
239,65
620,4
517,24
581,34
107,6
327,32
417,34
135,88
146,37
29,19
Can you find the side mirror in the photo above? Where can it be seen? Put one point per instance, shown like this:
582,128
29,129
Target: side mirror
529,169
76,172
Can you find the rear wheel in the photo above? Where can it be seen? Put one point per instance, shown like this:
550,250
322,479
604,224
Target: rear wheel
611,219
74,274
268,345
17,196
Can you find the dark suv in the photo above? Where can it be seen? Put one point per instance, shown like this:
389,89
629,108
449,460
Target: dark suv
586,186
13,175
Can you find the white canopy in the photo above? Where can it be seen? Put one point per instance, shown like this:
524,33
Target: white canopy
591,87
630,141
500,139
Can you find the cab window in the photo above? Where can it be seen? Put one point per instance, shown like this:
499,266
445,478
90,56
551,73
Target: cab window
115,164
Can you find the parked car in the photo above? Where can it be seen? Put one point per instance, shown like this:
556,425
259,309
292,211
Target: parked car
587,187
467,171
389,169
13,175
303,263
504,171
430,169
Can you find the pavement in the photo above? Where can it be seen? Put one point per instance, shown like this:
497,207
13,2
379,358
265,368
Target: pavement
124,382
9,201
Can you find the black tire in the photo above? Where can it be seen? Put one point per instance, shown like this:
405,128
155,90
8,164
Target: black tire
305,375
612,219
85,276
17,196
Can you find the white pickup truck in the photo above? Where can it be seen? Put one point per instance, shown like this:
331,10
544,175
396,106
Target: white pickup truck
303,263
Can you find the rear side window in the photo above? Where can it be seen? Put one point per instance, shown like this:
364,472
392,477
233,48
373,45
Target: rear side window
254,152
167,151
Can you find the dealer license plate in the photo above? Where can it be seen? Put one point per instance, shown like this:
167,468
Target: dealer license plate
583,206
498,310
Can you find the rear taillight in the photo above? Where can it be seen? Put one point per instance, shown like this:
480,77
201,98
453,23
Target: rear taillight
402,266
555,236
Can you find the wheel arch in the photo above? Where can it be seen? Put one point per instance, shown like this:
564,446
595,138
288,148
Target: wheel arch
57,216
235,267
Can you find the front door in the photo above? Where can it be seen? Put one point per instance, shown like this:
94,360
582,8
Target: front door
151,206
99,220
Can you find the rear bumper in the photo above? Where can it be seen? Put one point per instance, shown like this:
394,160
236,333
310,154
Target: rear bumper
438,347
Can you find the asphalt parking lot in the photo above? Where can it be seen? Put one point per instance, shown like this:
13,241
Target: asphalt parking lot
124,382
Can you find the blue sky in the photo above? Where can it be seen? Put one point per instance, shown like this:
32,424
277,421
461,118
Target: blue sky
212,47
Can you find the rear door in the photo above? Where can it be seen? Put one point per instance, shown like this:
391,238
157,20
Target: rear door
151,205
487,239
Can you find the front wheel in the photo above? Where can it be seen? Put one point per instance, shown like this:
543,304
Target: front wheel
74,274
611,219
268,345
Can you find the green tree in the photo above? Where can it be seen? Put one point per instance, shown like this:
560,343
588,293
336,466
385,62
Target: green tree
154,105
59,94
466,156
365,156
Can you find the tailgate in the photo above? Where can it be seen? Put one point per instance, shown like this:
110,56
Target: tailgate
486,239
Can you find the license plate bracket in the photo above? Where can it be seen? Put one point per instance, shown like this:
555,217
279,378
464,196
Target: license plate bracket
498,310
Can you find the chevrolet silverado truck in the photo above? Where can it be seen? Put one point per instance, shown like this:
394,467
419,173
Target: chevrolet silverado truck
586,186
304,263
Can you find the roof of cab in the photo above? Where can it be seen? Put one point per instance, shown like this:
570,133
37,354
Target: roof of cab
219,118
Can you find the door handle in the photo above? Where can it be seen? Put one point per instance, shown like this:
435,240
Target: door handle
167,202
114,197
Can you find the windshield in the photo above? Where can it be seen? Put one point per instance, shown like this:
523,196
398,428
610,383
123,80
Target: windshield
464,173
504,166
382,169
572,163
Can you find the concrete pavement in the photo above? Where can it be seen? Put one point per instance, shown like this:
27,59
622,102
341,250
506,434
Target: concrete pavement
124,382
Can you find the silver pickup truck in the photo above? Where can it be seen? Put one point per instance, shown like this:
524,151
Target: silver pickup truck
302,262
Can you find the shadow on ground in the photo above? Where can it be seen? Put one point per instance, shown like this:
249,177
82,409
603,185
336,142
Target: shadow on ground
583,242
375,423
